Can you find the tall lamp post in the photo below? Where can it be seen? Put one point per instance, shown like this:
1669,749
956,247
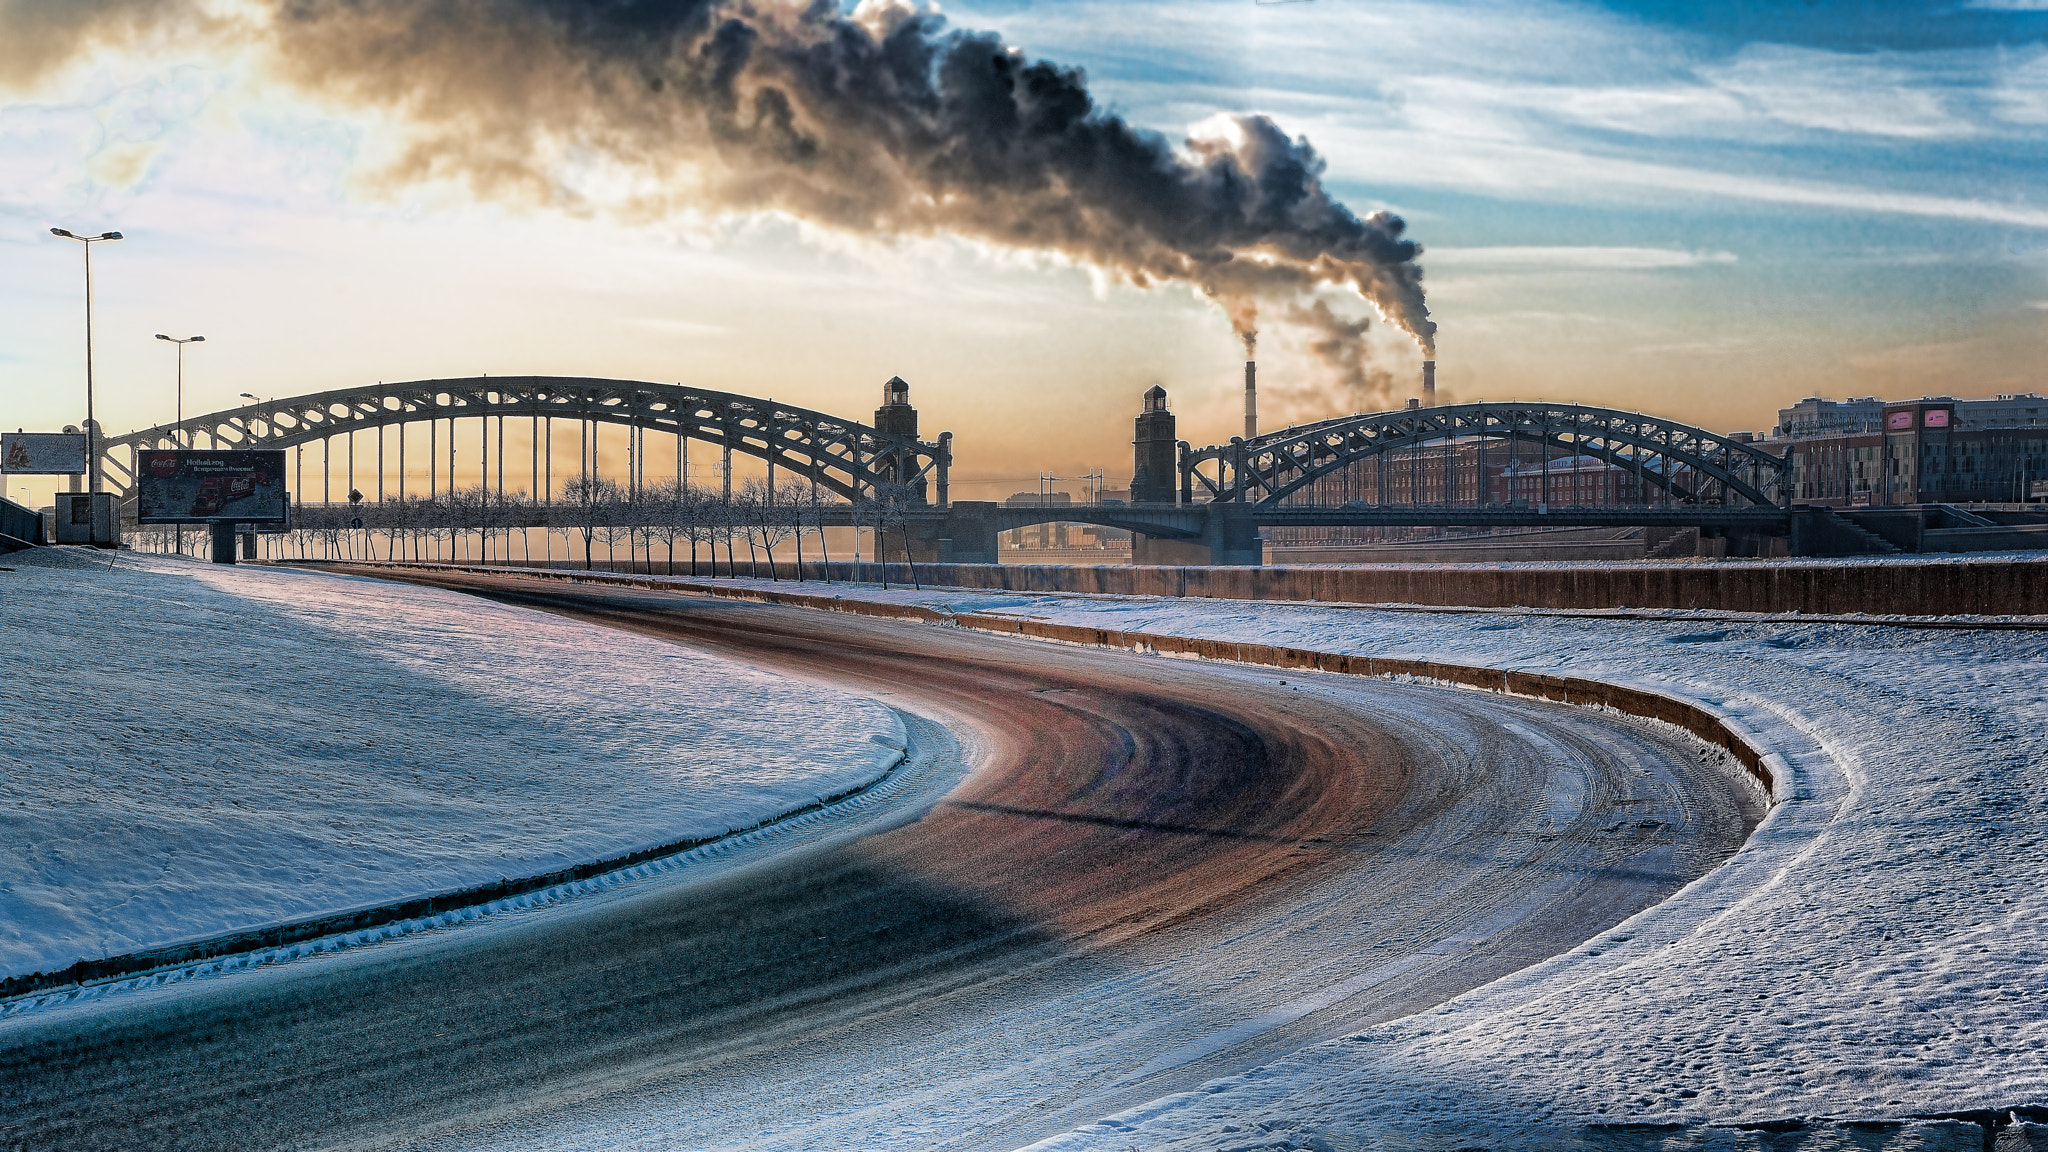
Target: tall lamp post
184,437
92,428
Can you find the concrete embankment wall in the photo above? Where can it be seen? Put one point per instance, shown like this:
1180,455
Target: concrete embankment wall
1991,587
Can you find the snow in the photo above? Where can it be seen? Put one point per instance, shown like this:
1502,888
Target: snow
2008,556
187,749
1878,951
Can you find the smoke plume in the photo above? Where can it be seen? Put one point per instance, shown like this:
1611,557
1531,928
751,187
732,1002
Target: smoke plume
1351,381
883,122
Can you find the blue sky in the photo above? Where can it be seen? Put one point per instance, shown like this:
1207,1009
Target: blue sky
1704,211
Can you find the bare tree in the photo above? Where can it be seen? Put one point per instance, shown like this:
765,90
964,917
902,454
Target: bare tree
587,503
696,513
890,504
620,514
774,517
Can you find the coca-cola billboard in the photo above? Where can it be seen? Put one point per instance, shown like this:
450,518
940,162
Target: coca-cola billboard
175,487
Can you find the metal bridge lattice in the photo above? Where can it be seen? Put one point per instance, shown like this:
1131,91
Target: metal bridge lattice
1690,465
844,456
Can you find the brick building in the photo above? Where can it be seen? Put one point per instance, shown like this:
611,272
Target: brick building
1924,453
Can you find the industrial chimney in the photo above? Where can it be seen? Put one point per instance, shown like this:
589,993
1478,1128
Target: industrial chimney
1429,383
1251,399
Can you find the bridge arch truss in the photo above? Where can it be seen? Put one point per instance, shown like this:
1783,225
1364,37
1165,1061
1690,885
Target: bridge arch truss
1688,465
843,456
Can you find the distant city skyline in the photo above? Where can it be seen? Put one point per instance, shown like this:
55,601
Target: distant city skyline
1705,216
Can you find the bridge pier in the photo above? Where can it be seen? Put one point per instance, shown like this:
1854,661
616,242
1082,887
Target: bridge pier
1167,551
1232,536
967,535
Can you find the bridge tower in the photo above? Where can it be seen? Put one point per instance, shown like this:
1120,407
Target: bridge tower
896,417
1155,472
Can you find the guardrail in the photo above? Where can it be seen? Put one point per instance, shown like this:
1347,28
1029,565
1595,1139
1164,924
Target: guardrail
19,527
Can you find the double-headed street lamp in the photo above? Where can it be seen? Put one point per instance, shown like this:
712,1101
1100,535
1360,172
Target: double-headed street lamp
92,428
184,437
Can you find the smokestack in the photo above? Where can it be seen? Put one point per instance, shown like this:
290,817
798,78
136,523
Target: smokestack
1251,399
1429,383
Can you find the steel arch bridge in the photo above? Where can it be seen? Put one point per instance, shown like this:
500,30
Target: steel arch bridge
844,456
1690,465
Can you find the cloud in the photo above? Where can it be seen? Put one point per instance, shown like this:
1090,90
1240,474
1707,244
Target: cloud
1549,102
883,122
1524,171
672,327
1550,259
1916,95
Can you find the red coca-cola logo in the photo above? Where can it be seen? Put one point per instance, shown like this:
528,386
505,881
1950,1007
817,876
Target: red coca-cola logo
163,465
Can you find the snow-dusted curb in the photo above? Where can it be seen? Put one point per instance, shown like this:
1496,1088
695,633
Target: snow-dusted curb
203,761
258,947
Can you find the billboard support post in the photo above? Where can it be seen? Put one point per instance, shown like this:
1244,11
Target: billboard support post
223,541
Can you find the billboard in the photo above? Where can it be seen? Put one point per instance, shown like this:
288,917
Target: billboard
1894,421
282,527
1936,418
173,487
43,453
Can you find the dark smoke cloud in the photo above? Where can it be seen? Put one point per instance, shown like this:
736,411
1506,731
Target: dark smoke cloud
39,36
882,122
1350,381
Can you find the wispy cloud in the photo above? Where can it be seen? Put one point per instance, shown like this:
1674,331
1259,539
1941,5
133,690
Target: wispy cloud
1549,171
1549,259
1555,102
673,327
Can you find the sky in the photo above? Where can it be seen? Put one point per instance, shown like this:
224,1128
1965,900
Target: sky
1703,211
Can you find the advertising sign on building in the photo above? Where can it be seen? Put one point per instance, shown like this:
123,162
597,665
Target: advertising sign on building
1897,421
43,453
174,487
1935,418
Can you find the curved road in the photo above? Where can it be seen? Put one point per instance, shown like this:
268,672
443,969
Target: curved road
1156,872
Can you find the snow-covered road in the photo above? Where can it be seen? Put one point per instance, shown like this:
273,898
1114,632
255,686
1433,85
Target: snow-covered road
1876,951
187,750
1879,950
1159,871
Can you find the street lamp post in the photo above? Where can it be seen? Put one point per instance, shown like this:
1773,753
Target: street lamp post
184,437
92,428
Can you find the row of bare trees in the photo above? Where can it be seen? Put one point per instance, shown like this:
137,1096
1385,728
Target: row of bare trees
592,512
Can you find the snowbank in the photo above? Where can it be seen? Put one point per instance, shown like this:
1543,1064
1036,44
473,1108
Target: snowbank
1878,951
187,750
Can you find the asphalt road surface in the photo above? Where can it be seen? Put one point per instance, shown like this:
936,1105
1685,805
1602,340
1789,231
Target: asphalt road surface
1153,872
